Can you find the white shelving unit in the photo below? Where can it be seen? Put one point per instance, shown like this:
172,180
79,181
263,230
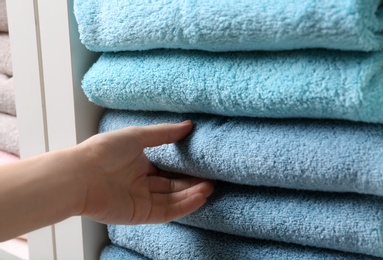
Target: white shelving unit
53,113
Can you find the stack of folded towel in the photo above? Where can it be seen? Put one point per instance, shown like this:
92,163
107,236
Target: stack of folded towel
286,99
8,124
9,147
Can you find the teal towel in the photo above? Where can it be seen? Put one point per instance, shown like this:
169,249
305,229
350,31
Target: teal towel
323,155
314,84
113,252
348,222
226,25
174,241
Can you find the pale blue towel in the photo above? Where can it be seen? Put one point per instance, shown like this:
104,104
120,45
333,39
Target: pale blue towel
226,25
113,252
175,241
301,154
315,84
348,222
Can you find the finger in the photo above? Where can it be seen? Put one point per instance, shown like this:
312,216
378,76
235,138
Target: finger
171,175
153,170
155,135
164,185
205,188
166,207
161,214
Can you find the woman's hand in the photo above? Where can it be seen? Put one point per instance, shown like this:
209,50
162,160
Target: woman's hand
123,187
107,178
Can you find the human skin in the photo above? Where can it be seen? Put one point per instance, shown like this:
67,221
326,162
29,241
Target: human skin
107,178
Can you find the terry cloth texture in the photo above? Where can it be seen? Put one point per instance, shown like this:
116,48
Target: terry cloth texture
348,222
175,241
6,157
7,95
322,155
3,17
113,252
313,84
114,25
5,55
9,135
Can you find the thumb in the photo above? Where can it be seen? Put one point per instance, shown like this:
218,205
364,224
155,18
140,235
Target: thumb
155,135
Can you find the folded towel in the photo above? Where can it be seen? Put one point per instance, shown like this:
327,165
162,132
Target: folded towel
174,241
113,252
9,135
299,154
348,222
5,55
6,157
315,84
7,95
3,17
113,25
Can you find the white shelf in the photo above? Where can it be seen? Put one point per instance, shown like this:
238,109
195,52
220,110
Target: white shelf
30,105
53,113
8,256
14,249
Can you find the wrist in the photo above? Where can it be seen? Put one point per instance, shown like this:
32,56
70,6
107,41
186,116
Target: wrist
86,175
76,179
70,183
39,191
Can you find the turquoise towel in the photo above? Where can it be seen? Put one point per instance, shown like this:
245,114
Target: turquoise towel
174,241
315,84
113,252
348,222
226,25
300,154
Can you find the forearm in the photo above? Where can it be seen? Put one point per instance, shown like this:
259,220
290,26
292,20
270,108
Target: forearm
107,178
38,192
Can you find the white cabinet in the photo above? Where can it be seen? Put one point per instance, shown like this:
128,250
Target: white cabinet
49,62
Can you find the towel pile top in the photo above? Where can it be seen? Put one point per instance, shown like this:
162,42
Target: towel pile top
229,25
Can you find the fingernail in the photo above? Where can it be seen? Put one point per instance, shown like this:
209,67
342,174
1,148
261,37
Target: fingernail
186,122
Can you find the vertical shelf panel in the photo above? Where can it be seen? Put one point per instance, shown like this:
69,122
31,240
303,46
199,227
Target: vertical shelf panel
24,37
71,118
27,77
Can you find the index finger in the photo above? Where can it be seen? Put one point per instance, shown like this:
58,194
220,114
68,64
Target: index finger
155,135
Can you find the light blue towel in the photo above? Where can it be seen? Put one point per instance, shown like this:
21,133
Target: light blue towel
174,241
115,25
348,222
314,84
113,252
301,154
